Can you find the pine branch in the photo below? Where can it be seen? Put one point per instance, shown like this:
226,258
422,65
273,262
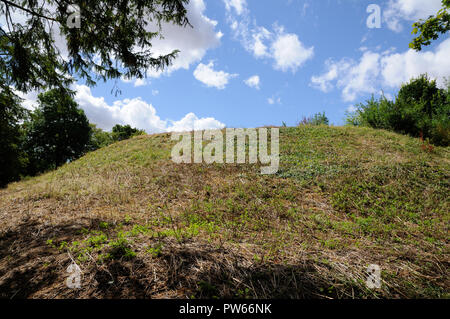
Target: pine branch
28,10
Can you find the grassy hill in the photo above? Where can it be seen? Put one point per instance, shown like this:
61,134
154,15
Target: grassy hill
140,225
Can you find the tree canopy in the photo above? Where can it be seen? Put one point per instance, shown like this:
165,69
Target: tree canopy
58,131
431,28
11,159
421,109
124,132
113,39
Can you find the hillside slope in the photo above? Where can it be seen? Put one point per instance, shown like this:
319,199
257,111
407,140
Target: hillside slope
139,225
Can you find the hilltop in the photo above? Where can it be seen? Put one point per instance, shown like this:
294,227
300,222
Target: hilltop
139,225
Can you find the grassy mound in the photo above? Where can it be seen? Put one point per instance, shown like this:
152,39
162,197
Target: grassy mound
139,225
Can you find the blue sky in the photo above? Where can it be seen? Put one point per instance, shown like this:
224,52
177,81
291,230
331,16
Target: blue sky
249,63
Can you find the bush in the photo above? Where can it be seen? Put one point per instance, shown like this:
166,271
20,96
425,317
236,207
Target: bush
421,109
100,138
124,132
317,119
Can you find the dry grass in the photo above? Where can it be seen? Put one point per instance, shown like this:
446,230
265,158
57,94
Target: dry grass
141,226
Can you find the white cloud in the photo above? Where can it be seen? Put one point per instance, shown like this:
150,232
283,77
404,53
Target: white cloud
376,71
399,11
192,122
253,82
136,82
360,77
238,5
193,43
29,100
207,75
285,49
257,46
354,78
140,82
400,67
324,81
289,53
135,112
272,100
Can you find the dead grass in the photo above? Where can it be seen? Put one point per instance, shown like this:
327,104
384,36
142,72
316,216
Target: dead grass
140,226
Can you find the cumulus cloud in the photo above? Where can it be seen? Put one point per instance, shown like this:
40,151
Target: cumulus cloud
289,53
140,82
135,112
193,43
375,71
285,49
398,68
257,46
324,82
354,78
206,74
192,122
253,82
399,11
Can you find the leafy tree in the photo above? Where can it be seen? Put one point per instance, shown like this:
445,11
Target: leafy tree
431,28
124,132
113,38
12,158
421,109
98,139
58,131
420,102
374,113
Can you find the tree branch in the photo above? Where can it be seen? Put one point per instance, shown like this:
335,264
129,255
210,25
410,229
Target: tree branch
28,10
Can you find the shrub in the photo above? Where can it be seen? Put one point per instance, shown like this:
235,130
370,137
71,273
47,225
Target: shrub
420,110
316,119
124,132
120,248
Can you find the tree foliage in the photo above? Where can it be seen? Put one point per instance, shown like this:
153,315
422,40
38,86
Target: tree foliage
124,132
316,119
12,159
431,28
98,139
58,132
114,39
421,109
